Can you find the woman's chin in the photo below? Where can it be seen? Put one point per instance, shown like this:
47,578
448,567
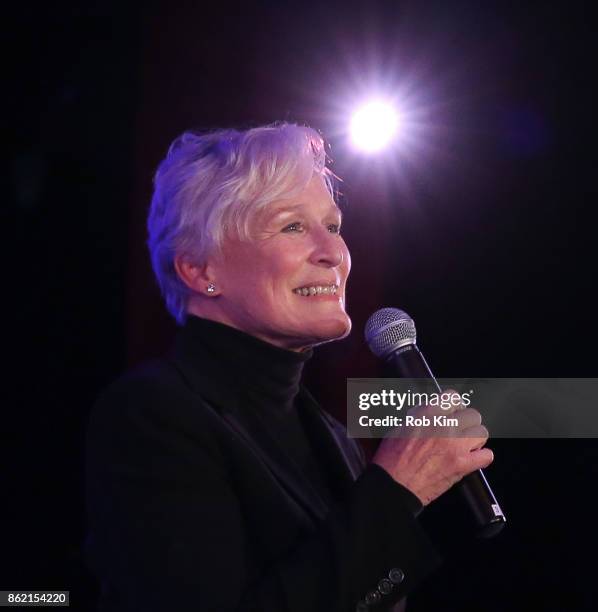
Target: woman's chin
320,331
333,329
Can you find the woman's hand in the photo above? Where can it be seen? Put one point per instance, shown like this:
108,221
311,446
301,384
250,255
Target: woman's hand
430,460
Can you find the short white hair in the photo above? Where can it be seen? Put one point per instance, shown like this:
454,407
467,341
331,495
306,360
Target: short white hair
212,183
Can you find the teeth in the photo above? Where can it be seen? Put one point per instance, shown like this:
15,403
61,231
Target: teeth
317,290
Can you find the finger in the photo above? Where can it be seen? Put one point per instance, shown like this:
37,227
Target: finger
482,458
468,417
454,399
451,401
476,460
475,436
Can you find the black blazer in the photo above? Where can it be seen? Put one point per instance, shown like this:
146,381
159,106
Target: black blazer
193,507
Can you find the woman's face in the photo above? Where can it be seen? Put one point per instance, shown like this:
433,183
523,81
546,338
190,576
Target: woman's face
287,284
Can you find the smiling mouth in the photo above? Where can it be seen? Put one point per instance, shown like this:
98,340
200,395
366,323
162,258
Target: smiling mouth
314,290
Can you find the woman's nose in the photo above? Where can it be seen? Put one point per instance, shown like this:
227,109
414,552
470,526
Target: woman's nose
329,249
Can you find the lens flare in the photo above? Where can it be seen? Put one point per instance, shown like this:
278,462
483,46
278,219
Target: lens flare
374,126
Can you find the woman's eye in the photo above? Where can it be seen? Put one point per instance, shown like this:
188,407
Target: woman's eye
297,226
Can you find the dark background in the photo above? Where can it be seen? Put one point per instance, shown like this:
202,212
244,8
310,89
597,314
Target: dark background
482,228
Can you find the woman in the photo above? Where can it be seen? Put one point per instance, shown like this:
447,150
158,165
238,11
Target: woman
215,481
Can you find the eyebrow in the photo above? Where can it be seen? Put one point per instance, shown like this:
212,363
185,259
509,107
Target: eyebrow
295,207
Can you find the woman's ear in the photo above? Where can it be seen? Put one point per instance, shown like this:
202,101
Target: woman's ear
198,277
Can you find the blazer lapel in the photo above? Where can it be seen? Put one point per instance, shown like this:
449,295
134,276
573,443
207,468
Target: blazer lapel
255,437
340,455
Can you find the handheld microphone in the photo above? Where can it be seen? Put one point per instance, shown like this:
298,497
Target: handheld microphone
390,334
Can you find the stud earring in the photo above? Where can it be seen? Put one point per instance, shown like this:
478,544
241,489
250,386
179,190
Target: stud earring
211,288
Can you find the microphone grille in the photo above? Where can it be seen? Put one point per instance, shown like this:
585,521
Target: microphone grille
389,329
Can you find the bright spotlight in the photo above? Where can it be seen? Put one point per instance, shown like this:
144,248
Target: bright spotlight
373,126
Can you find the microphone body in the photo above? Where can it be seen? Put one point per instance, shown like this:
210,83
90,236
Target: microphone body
403,357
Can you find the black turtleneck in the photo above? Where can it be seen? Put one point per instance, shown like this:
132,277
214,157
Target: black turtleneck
264,378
